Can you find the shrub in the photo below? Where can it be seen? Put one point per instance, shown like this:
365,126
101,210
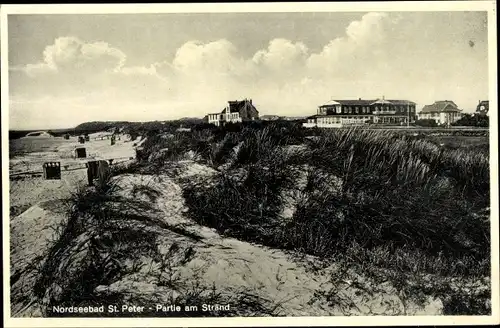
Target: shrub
248,208
426,123
393,191
473,120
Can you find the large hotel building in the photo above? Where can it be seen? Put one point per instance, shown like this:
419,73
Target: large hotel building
338,113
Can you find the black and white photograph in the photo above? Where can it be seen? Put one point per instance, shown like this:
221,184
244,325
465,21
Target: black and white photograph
314,164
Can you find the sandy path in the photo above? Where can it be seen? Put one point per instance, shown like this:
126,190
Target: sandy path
237,267
280,280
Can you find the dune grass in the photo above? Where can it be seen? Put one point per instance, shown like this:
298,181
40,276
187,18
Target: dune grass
376,200
108,237
400,200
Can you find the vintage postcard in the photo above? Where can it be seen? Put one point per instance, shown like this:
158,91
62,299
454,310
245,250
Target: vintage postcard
250,164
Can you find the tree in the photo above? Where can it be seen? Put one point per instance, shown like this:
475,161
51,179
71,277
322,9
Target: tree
473,120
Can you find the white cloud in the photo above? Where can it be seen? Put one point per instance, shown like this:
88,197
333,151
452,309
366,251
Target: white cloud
281,61
363,41
369,30
372,58
70,54
34,70
217,57
281,53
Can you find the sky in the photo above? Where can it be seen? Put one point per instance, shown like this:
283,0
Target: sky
67,69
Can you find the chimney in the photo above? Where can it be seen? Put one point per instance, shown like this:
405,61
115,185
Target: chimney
383,97
250,101
359,98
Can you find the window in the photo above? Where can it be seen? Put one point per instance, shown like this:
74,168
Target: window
356,109
350,110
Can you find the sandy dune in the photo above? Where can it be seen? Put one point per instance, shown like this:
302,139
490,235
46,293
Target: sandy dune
282,282
236,267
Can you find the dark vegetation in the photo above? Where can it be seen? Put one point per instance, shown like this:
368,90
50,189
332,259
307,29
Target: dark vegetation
107,237
473,120
426,123
137,128
468,120
393,192
408,206
419,203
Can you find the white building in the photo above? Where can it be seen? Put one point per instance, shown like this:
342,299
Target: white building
339,113
444,112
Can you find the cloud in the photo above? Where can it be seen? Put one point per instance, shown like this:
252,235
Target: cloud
378,54
218,57
282,59
38,69
363,41
367,31
281,53
72,55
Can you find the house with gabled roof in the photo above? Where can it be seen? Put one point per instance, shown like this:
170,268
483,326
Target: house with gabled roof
235,111
442,111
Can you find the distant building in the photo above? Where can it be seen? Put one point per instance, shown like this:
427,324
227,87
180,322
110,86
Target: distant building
235,111
339,113
483,107
270,117
443,112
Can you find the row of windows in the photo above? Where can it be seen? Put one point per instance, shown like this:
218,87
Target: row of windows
330,120
439,114
390,119
366,109
216,117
